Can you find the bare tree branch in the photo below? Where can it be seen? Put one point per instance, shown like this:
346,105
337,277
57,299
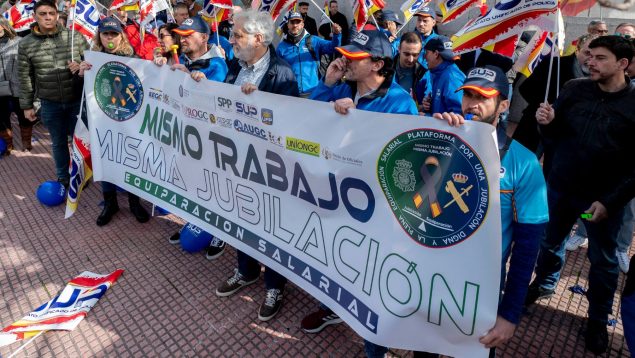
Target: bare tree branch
627,4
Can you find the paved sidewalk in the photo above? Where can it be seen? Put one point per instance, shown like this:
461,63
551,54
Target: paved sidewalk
164,304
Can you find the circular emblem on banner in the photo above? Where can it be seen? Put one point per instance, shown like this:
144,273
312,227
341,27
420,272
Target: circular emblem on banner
435,185
118,91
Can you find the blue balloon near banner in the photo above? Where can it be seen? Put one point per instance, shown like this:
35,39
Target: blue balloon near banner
3,146
161,211
194,239
51,193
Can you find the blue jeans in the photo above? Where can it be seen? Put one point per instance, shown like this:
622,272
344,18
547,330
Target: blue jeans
628,308
373,350
563,211
60,119
250,268
624,235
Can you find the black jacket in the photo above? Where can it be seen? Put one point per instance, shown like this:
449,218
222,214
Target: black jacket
340,19
593,143
310,25
466,61
533,91
279,78
419,71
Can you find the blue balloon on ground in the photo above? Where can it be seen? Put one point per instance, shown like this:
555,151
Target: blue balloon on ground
51,193
194,239
3,146
161,211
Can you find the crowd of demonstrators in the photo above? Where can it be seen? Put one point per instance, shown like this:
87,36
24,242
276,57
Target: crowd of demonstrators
582,132
10,89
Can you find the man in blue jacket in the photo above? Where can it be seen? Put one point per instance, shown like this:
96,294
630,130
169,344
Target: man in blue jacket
256,67
443,79
303,51
197,58
523,197
369,85
367,67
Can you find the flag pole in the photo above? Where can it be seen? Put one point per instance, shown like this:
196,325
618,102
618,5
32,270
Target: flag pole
322,11
74,3
216,24
553,45
404,25
25,344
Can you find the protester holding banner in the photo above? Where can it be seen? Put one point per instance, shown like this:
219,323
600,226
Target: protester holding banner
112,40
592,128
442,80
369,85
523,195
408,71
198,58
303,51
168,38
367,66
10,88
257,67
47,64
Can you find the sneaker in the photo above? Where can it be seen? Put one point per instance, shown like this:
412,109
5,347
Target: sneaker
535,293
316,321
575,241
175,239
622,260
234,284
596,338
271,305
215,249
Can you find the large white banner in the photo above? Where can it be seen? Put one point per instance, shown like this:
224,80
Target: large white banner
392,221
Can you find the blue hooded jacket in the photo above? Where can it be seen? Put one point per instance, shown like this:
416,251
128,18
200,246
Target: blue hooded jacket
442,83
224,43
211,64
390,97
304,65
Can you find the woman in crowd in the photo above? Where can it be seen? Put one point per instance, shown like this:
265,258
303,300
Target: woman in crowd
167,38
111,40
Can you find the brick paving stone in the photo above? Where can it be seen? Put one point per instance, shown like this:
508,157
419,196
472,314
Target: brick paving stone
164,304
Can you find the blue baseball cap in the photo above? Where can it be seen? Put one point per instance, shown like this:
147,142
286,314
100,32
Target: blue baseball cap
192,25
294,15
443,45
389,15
367,43
109,24
426,11
489,81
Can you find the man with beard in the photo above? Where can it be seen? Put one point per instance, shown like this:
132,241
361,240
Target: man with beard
302,51
197,58
591,126
523,198
309,23
408,70
257,67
